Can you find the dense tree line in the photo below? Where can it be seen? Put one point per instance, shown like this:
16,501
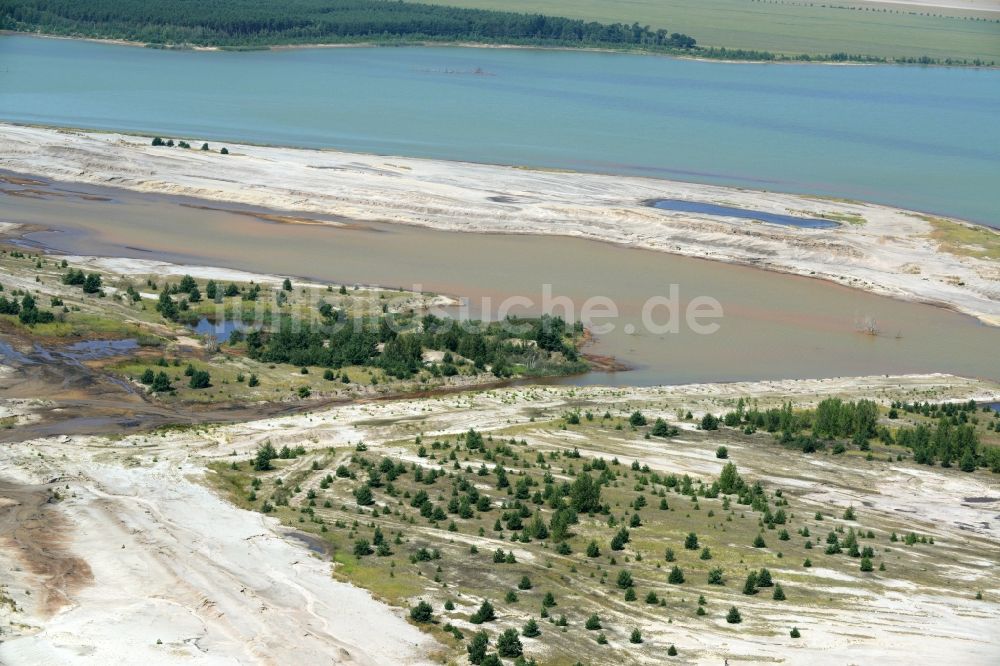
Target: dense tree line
944,443
257,22
27,311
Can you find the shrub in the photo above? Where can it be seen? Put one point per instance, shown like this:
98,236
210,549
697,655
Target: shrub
637,419
531,629
200,379
593,623
733,616
422,612
661,429
636,637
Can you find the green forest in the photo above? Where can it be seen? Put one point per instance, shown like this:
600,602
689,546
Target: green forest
255,23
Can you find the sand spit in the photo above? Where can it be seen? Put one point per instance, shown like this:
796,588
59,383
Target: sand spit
884,250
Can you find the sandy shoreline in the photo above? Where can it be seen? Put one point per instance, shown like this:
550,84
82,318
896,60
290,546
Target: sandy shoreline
891,253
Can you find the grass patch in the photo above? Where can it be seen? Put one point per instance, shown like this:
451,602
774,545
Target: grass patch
963,239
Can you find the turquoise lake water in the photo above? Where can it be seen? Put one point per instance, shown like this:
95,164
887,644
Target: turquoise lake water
922,138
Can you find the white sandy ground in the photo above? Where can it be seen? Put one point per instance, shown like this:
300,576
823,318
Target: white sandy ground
217,584
890,254
174,563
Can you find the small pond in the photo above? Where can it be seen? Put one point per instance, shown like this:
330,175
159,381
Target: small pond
220,330
743,213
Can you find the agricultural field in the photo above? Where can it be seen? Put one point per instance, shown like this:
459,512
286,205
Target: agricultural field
888,30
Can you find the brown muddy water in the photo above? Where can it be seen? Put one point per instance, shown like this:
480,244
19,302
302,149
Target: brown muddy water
774,325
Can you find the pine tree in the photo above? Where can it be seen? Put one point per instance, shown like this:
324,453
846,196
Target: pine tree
733,616
624,579
672,651
509,645
363,495
531,629
593,623
779,594
486,613
265,454
636,637
729,480
161,383
477,647
794,633
676,576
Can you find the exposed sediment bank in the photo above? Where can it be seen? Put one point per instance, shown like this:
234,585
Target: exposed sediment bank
880,249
